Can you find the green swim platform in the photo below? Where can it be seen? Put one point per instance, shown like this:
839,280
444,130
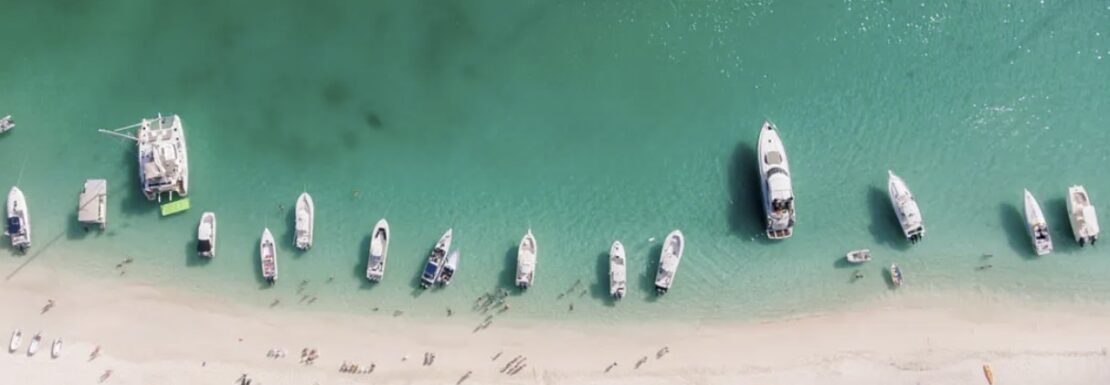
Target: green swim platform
175,207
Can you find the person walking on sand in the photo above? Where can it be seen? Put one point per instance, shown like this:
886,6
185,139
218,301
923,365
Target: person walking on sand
107,373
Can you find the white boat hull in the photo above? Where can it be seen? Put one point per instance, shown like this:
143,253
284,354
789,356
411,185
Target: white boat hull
858,256
776,184
526,261
17,339
669,258
618,271
905,208
436,259
18,221
268,255
1037,226
56,348
379,251
305,219
206,235
450,266
34,347
1081,213
896,275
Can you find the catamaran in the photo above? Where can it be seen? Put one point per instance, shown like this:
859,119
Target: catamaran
905,207
206,235
1084,222
435,260
778,191
669,258
305,219
92,203
526,261
1037,226
163,159
19,220
618,271
6,124
379,250
449,268
268,254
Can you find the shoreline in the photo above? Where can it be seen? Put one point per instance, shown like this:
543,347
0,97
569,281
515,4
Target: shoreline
164,335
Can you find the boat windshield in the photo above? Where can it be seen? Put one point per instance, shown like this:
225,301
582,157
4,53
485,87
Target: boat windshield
430,270
204,245
13,225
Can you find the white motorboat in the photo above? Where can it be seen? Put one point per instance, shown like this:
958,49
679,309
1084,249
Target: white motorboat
56,348
859,256
92,203
305,220
17,339
669,258
268,254
449,267
435,260
163,159
1037,226
206,235
618,271
19,220
379,251
6,124
905,207
896,275
34,346
526,261
778,190
1084,222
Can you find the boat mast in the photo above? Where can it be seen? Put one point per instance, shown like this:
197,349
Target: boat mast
116,132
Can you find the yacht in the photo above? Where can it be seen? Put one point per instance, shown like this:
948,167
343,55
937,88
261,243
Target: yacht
1037,226
669,258
526,261
206,235
92,203
618,271
905,207
17,339
6,124
1084,222
268,254
379,250
435,261
163,159
305,219
19,220
896,275
859,256
449,267
774,176
34,346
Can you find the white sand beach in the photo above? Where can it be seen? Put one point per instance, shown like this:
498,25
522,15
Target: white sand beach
157,336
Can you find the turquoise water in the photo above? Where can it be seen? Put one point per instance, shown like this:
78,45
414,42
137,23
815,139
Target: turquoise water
586,121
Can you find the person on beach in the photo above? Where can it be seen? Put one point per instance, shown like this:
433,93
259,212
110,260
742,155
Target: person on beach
49,305
95,353
107,373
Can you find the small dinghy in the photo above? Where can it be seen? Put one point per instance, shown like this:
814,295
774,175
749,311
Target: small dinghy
269,257
56,348
618,271
895,275
305,219
206,235
6,124
1037,226
19,220
449,268
669,259
859,256
17,339
526,261
435,260
1084,222
905,207
34,347
379,251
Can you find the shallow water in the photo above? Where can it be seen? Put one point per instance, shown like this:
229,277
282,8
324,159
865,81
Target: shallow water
586,121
